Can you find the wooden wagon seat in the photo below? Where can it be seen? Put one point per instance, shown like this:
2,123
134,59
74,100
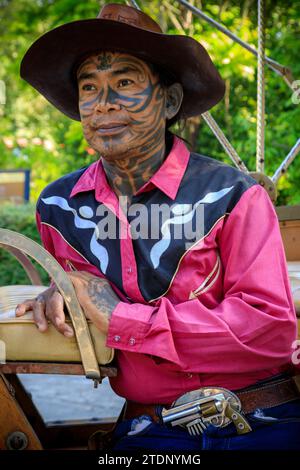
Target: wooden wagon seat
23,341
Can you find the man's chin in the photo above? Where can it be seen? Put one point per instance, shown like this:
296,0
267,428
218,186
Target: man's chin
114,149
111,153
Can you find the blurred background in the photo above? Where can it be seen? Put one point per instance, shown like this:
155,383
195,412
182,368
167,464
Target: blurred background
38,144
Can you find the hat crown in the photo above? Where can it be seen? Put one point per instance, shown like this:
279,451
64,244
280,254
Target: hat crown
129,15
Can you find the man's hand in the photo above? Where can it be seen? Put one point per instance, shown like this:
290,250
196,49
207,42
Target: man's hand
96,298
49,305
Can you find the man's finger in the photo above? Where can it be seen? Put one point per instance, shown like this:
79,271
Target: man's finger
39,316
24,307
55,313
63,327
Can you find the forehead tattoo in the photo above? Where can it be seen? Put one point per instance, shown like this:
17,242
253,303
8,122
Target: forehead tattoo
119,64
104,61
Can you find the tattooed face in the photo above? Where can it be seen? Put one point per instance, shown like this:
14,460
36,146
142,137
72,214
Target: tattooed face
122,105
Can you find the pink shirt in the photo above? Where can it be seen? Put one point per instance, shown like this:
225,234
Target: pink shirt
225,316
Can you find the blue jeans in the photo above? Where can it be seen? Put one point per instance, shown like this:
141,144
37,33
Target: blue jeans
276,428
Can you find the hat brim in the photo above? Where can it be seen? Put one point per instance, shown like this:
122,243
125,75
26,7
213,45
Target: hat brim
49,65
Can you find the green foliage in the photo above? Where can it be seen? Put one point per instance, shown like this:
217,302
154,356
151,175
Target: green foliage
21,219
54,144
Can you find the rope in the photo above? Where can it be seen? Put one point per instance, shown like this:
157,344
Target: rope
260,128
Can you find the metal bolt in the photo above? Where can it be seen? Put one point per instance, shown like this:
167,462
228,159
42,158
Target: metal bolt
17,441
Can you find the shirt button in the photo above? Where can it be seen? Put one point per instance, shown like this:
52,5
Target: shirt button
117,338
132,341
129,270
189,375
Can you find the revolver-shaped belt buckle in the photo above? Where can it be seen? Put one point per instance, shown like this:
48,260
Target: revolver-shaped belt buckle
198,409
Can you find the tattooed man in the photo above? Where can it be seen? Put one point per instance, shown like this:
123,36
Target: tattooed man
197,305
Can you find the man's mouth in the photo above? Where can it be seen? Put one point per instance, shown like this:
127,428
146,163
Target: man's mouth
111,128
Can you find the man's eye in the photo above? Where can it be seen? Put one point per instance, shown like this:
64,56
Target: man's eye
124,82
88,87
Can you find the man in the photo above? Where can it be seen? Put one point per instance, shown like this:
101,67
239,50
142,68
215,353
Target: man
209,308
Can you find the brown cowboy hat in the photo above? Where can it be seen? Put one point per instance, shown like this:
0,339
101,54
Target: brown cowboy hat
51,62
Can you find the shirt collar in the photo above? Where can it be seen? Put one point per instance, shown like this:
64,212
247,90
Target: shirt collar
93,179
169,175
167,178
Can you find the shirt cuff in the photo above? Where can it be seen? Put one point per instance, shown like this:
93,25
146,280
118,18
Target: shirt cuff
128,326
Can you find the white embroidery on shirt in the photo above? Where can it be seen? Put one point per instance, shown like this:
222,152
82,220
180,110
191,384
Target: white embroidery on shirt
204,287
181,217
99,251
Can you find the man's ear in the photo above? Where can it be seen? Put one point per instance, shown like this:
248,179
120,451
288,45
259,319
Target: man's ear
173,99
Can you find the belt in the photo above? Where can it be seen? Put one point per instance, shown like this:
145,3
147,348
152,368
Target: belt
264,396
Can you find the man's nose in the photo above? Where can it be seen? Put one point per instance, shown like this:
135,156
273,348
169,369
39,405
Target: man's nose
106,107
107,103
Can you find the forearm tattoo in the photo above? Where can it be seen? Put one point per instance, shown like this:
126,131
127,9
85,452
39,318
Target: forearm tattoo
102,297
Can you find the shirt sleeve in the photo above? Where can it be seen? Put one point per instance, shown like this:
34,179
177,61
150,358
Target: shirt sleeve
254,325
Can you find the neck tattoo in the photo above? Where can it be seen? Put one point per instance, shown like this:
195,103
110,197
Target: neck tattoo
127,175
